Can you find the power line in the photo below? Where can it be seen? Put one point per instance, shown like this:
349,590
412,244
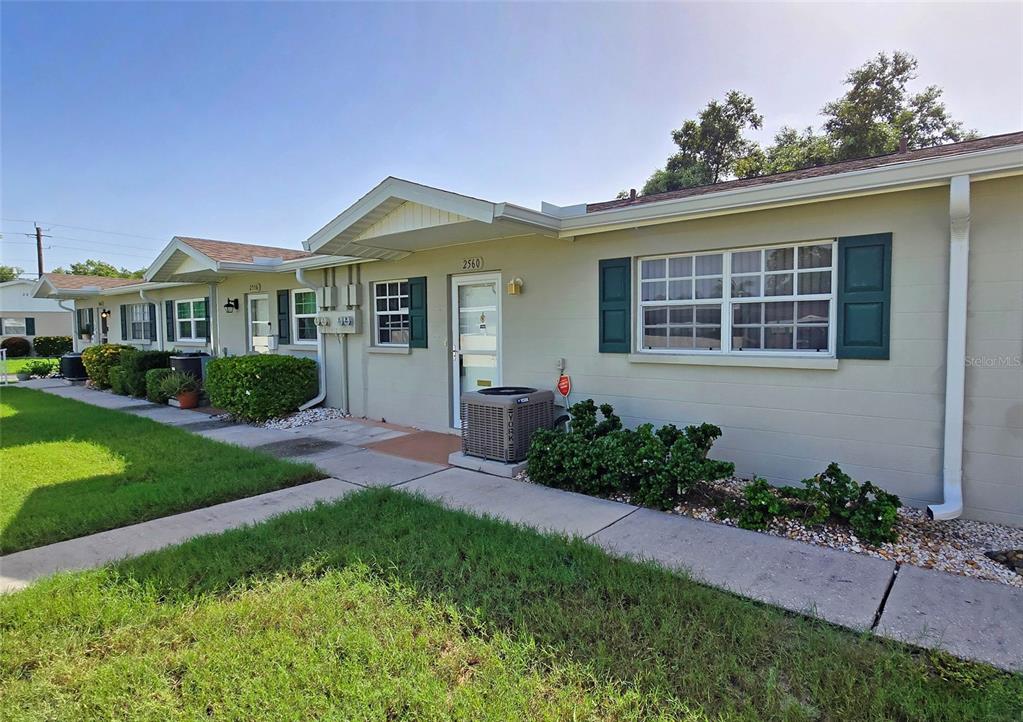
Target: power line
84,228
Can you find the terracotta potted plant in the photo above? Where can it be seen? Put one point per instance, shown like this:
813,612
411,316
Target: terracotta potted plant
181,389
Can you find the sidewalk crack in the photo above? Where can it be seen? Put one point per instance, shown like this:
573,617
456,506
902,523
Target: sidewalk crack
884,598
608,526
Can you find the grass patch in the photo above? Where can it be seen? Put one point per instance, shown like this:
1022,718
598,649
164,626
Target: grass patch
384,606
14,365
70,469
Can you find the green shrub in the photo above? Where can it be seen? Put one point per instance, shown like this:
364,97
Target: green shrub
117,381
875,515
154,378
52,345
135,365
40,367
762,505
16,346
261,387
598,456
100,359
178,382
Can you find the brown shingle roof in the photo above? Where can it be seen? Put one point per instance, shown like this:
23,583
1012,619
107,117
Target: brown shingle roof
71,282
240,252
938,151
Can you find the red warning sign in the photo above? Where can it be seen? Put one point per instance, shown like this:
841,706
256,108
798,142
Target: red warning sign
564,385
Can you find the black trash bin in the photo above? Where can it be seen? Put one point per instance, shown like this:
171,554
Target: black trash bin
72,368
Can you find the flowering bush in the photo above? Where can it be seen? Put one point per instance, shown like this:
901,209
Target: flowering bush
260,387
100,359
52,345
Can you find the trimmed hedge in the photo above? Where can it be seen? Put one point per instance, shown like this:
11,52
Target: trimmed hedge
260,387
16,346
100,359
135,365
52,345
117,380
154,380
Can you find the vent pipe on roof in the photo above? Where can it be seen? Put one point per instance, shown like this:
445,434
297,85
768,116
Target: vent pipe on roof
632,194
955,355
903,144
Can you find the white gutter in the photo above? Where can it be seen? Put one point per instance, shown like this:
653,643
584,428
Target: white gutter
955,358
320,351
74,324
159,326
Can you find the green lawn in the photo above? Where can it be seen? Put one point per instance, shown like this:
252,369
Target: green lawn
384,606
14,365
68,469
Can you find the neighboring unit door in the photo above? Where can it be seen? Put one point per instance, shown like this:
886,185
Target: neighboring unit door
259,323
476,335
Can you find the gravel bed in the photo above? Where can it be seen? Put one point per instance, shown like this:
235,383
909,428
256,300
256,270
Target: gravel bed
293,421
957,546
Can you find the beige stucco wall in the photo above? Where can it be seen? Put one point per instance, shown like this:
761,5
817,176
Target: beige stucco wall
48,323
881,420
993,434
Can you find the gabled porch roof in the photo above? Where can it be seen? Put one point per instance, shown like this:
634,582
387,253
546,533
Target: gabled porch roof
399,217
200,260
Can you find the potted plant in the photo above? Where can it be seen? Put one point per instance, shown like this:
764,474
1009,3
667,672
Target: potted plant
181,389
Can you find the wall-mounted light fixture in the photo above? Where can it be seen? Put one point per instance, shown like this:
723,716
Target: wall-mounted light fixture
514,287
232,305
105,313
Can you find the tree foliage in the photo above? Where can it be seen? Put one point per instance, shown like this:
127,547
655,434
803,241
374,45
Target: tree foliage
871,118
9,273
92,267
710,146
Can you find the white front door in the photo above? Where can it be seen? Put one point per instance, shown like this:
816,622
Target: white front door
259,323
475,335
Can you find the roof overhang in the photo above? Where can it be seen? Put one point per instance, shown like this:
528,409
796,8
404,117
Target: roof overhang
376,226
179,263
44,288
399,217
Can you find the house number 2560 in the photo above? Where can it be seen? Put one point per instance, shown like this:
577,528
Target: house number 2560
472,264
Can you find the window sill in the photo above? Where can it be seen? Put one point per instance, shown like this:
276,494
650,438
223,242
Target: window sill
776,362
189,342
403,350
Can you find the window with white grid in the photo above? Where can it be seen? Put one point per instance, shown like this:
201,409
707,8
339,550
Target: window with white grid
138,322
772,300
390,313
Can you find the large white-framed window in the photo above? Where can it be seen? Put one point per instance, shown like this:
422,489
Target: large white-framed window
303,314
771,300
14,327
390,313
193,324
138,322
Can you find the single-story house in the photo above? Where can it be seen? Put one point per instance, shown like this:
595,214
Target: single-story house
25,316
868,312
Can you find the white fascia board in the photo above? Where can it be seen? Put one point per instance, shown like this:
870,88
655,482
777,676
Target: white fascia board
901,176
511,212
403,190
135,287
177,244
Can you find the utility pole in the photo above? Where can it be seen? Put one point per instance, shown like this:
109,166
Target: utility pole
39,249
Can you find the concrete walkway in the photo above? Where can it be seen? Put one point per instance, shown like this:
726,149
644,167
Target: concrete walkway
972,619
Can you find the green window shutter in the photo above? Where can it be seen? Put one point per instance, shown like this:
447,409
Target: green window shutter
168,310
209,320
417,312
864,296
30,326
615,306
92,321
124,322
151,325
283,318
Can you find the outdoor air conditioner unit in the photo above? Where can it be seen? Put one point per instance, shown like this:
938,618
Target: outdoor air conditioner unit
497,423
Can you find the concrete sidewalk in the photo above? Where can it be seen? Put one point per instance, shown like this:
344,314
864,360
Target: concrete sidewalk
972,619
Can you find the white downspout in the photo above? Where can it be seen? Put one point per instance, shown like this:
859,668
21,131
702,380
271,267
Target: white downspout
156,321
214,315
320,352
74,324
955,359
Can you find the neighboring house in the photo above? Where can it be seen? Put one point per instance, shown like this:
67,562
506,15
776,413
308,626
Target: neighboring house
24,315
868,312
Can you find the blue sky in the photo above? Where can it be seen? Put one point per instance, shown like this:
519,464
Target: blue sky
260,122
